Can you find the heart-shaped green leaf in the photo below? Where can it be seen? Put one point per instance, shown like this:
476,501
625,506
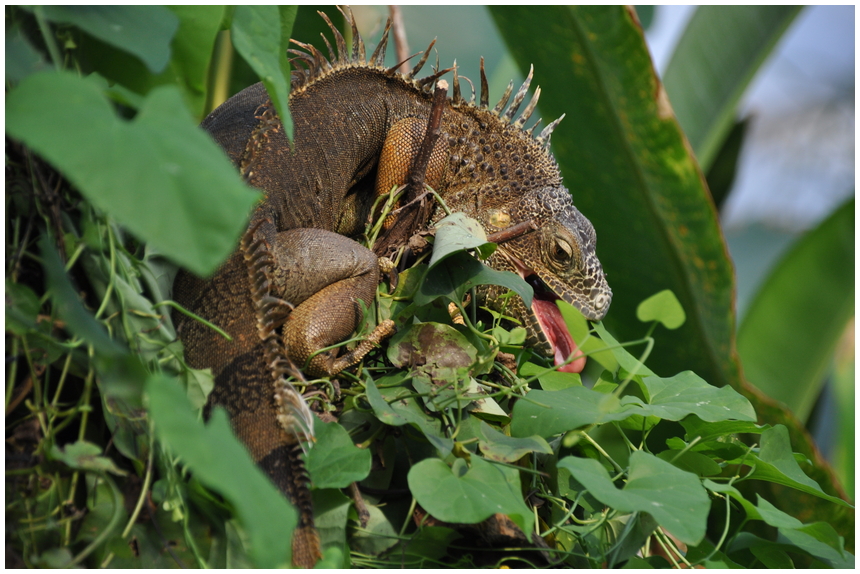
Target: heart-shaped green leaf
159,175
675,498
334,461
465,495
663,307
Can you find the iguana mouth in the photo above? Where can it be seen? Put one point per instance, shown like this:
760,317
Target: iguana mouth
553,326
549,319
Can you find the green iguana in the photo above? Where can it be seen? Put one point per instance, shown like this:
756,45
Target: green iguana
358,126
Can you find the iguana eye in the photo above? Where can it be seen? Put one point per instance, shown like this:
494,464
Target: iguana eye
562,251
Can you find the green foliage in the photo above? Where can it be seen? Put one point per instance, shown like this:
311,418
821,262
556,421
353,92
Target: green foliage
663,307
674,497
707,75
220,461
261,35
625,159
113,167
455,412
469,493
334,461
129,28
787,366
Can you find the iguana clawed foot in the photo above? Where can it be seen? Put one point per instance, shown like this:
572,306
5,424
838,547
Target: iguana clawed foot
323,275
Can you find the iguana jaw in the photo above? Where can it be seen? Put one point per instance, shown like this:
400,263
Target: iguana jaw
549,319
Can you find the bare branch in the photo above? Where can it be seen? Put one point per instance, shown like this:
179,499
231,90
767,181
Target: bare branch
401,45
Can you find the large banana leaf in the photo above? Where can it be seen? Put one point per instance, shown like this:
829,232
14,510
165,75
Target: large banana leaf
789,334
716,57
630,170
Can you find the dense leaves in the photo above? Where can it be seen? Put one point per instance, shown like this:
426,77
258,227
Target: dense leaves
113,166
456,434
675,498
219,460
334,461
464,494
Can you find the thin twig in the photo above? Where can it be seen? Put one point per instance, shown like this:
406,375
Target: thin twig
360,506
434,128
512,232
23,392
408,223
401,45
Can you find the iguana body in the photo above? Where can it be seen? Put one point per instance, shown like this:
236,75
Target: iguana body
357,128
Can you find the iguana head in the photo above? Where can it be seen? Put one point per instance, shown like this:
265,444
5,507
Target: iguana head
559,261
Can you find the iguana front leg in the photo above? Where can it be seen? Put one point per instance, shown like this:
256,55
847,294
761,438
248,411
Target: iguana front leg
324,275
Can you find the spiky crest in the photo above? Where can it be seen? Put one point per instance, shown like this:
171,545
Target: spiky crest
485,90
518,98
455,93
378,57
503,101
294,414
311,65
423,59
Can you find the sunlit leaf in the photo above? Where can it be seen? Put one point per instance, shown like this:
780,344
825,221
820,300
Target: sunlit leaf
663,307
158,175
674,498
790,332
497,446
457,232
550,380
685,394
547,413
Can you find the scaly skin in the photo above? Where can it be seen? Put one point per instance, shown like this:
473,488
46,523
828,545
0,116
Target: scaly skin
357,129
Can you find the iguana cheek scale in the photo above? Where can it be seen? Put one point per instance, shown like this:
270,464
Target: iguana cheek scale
298,283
